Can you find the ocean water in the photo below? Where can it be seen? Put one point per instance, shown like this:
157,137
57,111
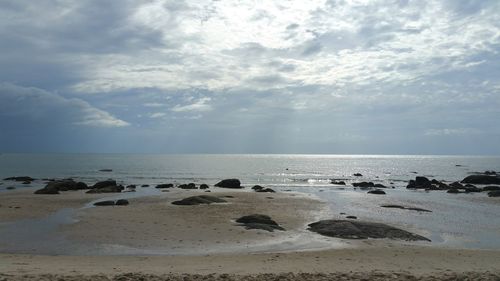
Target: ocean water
457,220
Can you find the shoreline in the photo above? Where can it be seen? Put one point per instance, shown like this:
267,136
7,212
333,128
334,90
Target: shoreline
210,239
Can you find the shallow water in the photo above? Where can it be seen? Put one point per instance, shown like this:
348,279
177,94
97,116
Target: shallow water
456,220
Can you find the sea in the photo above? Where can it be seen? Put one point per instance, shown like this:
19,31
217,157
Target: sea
457,220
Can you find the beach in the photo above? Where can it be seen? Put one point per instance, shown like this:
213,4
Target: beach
200,241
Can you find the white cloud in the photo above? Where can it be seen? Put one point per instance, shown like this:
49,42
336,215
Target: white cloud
157,115
451,132
199,105
36,105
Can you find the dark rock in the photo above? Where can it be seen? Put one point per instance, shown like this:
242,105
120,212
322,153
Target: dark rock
352,217
106,170
26,182
420,183
337,182
453,190
229,183
197,200
456,185
358,175
262,226
490,173
472,189
349,229
405,208
107,189
257,218
491,188
257,187
377,191
105,203
121,202
10,187
203,186
188,186
105,183
494,193
166,185
47,190
481,179
131,186
145,185
370,184
23,178
67,184
258,221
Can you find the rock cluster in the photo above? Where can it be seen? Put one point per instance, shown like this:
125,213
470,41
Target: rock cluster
258,188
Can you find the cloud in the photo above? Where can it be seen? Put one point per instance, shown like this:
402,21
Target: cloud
38,106
198,106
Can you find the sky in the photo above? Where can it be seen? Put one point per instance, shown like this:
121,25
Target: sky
290,76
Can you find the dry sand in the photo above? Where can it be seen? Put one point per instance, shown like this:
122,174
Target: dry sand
153,223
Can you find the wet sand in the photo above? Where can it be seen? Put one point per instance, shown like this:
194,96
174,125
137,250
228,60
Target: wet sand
205,240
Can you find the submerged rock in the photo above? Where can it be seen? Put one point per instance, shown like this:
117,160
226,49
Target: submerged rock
106,170
357,175
200,199
165,185
405,208
105,183
349,229
259,221
481,179
229,183
377,191
337,182
121,202
105,203
494,193
22,178
491,188
188,186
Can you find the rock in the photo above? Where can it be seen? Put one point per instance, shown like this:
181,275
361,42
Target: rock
491,188
377,191
349,229
165,185
131,186
357,175
490,173
145,185
456,185
107,189
203,186
352,217
105,183
26,182
259,221
229,183
337,182
405,208
106,170
187,186
453,190
10,187
472,189
121,202
197,200
23,178
47,190
370,184
494,193
481,179
259,188
105,203
419,183
67,184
